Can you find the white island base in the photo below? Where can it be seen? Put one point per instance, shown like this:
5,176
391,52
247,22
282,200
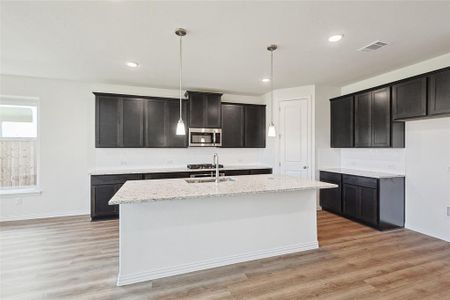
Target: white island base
165,238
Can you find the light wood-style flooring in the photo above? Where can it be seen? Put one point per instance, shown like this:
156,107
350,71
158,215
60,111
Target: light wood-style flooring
73,258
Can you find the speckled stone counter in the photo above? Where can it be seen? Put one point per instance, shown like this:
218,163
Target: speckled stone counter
169,189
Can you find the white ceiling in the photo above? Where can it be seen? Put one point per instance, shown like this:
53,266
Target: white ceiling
225,48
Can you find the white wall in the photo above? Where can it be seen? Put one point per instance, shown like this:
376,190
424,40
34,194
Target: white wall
68,150
326,157
424,161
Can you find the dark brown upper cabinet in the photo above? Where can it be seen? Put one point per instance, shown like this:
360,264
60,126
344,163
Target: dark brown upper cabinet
125,121
342,122
363,120
243,125
381,117
107,122
118,122
373,118
131,131
160,122
409,99
439,93
254,126
204,109
232,125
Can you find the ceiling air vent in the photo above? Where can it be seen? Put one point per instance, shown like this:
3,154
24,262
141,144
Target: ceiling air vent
373,46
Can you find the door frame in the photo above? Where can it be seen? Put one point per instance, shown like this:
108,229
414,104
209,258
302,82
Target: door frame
310,130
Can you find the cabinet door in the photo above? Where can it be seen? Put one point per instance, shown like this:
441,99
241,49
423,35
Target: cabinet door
167,175
232,126
236,172
107,119
351,200
161,118
197,105
171,117
330,199
409,99
132,123
363,120
213,111
255,126
342,122
101,194
439,93
155,133
260,171
369,205
381,118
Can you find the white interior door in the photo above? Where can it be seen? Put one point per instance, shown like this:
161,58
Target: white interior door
295,159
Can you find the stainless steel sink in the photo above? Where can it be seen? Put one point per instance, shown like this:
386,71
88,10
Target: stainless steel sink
209,179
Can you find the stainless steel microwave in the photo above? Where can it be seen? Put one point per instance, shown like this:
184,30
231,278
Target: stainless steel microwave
205,137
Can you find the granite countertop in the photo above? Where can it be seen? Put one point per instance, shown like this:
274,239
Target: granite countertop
362,173
135,191
105,171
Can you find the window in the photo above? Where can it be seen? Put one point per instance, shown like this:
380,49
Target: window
18,144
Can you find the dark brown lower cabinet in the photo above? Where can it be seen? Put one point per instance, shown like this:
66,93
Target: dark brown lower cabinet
330,199
377,202
104,187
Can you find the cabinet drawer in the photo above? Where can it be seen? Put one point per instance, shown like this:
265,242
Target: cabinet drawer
114,179
236,172
167,175
360,181
260,171
330,177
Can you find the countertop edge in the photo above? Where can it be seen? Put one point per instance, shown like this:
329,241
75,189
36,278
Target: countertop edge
326,186
363,173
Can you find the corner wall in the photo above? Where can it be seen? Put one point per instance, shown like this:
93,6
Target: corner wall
425,161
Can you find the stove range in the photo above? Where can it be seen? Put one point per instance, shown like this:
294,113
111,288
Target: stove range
203,166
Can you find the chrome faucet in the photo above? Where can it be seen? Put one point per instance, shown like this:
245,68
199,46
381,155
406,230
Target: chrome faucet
216,163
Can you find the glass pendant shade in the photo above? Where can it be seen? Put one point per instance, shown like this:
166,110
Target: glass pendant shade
181,130
271,132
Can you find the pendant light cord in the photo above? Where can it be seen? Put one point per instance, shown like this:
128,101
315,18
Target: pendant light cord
271,85
181,72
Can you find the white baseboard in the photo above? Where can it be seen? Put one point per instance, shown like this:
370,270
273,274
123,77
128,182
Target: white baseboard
213,263
44,215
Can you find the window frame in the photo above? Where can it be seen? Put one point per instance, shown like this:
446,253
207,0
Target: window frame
30,101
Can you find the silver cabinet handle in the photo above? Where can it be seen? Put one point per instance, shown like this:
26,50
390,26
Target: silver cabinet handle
305,167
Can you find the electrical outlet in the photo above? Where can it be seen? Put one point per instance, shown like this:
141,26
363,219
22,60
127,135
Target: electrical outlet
19,201
448,169
123,163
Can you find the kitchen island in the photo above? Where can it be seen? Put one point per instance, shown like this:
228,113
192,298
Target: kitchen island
176,226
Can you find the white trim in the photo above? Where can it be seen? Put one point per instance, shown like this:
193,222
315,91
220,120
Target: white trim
20,191
45,215
214,263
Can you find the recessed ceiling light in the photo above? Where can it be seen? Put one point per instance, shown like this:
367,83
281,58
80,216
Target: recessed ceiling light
335,38
265,80
132,64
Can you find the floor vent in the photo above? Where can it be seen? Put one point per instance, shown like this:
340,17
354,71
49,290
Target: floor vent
373,46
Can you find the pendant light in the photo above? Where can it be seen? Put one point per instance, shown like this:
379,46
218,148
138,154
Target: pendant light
181,129
271,132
